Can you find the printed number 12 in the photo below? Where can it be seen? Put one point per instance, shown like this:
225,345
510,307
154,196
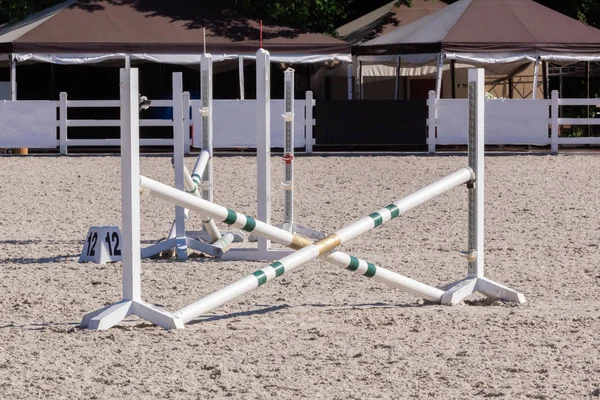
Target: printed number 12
115,238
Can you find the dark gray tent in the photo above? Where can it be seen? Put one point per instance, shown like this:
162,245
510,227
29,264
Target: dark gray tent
500,34
167,32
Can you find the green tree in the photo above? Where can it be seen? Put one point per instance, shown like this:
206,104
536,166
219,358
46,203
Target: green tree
315,15
15,10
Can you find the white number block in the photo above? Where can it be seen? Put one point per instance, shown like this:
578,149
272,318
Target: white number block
102,244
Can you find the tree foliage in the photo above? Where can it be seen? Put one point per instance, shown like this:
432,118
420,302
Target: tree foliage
317,15
15,10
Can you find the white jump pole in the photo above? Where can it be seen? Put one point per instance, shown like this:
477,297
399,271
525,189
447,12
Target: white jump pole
337,258
308,251
132,302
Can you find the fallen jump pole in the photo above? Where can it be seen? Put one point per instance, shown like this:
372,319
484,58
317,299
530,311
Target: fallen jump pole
308,251
293,241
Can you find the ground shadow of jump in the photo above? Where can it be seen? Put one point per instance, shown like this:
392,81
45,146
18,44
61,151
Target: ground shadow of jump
41,260
262,311
342,307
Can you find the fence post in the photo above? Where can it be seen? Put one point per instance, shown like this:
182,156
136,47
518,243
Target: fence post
554,123
309,122
186,123
432,119
62,125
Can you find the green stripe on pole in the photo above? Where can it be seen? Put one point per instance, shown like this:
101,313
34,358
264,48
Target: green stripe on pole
394,210
371,270
250,224
260,277
354,263
231,217
194,190
196,178
377,219
279,268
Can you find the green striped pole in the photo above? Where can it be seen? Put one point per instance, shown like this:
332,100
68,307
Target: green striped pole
309,250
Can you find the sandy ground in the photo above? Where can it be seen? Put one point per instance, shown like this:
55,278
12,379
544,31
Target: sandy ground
319,332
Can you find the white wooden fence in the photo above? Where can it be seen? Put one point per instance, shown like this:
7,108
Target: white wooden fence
32,124
508,122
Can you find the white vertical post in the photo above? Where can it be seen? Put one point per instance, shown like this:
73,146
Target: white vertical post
535,77
309,122
186,123
207,123
263,140
554,123
432,119
178,162
350,74
288,150
440,72
130,184
476,163
62,124
241,72
13,78
127,61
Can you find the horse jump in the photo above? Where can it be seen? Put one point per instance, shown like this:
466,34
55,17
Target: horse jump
132,303
200,183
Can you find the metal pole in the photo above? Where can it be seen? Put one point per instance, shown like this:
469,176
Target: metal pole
440,71
350,74
587,91
535,77
13,78
288,151
545,80
453,77
241,75
361,88
397,87
476,163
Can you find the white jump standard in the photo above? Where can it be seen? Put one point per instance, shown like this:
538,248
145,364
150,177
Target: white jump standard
325,248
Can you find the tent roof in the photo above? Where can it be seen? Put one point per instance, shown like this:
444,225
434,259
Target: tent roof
159,27
489,26
386,19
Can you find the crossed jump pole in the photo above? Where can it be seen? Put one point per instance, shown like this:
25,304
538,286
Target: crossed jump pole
472,176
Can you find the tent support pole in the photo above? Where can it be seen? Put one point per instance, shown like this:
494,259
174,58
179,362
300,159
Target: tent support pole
13,78
397,87
350,68
127,61
360,81
440,71
535,77
587,90
453,77
241,75
545,79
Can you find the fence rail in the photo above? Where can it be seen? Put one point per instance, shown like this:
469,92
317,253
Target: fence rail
523,122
